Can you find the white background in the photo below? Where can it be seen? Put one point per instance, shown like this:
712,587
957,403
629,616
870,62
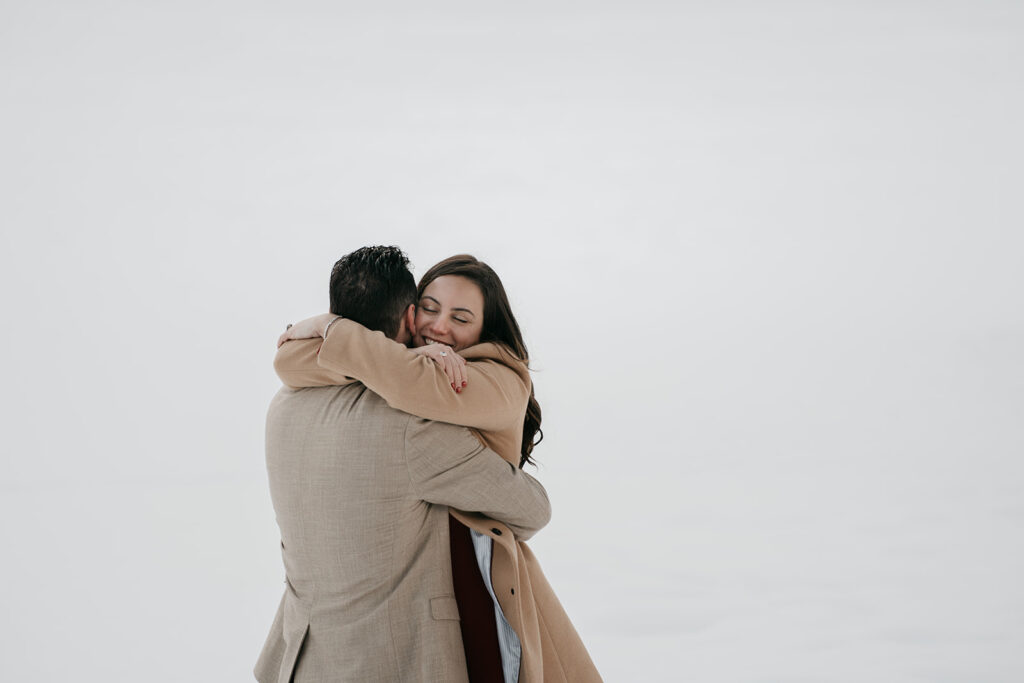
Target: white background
767,257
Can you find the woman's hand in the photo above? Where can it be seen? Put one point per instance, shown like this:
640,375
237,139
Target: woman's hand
307,329
452,363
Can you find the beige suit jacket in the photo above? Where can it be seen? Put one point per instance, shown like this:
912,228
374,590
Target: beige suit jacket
493,403
360,492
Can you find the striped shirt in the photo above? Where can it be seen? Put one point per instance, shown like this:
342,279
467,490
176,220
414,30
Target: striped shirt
508,641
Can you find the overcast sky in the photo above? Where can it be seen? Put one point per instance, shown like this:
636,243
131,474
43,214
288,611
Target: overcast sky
766,256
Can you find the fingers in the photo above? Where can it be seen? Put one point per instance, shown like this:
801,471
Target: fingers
285,336
460,372
451,363
455,368
448,366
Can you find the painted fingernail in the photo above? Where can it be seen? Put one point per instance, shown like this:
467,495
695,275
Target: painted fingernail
453,385
463,382
459,390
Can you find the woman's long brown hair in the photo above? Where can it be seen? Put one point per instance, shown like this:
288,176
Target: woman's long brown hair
500,326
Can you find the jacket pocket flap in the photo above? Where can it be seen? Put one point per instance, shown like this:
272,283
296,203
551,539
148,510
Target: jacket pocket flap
444,607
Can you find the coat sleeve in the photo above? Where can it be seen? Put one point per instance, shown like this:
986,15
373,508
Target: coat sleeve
296,365
494,398
448,466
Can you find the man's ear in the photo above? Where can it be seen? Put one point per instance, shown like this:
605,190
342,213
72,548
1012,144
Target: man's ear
410,318
405,325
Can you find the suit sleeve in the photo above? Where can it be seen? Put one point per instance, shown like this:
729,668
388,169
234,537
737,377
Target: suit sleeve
449,466
495,396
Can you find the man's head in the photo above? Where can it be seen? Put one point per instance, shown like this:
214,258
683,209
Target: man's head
373,286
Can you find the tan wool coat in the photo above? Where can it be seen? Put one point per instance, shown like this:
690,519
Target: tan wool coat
493,404
361,494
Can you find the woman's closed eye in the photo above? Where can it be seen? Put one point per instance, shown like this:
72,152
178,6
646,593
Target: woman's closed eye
432,311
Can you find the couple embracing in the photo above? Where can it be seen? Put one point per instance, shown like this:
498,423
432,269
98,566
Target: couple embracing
395,455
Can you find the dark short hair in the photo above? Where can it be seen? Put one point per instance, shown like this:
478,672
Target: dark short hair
373,286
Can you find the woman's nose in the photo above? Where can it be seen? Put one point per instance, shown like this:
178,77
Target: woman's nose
439,327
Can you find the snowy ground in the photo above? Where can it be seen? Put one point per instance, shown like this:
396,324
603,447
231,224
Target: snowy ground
766,256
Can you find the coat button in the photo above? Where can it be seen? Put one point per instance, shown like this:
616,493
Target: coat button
513,591
496,531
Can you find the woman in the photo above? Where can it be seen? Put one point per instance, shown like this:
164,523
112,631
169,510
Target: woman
478,378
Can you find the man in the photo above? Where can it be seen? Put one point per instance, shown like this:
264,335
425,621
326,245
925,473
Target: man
360,491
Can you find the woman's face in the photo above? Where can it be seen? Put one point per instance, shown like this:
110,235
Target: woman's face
451,311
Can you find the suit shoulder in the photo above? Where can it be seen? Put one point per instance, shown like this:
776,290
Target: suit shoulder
429,437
